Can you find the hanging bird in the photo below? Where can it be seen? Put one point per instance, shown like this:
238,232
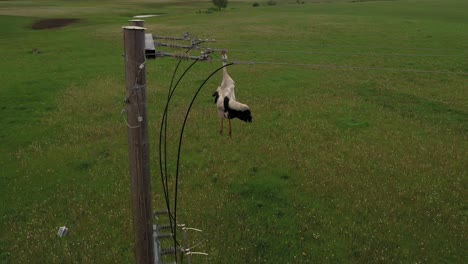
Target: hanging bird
225,100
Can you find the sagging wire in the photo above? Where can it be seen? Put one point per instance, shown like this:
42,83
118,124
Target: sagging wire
164,180
164,122
188,249
125,120
136,87
164,125
181,136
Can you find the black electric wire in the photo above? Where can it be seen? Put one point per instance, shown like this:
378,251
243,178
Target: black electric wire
172,220
164,123
181,135
302,43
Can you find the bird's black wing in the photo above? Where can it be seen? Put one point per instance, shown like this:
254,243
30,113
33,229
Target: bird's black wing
216,96
237,110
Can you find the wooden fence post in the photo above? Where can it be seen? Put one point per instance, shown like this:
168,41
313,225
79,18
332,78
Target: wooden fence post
138,142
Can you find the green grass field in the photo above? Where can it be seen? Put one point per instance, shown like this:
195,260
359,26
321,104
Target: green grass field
340,165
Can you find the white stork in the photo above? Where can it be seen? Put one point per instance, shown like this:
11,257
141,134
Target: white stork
225,100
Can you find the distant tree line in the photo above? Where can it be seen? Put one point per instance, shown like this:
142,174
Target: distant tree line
220,3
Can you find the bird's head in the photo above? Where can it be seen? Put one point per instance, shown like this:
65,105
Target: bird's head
224,55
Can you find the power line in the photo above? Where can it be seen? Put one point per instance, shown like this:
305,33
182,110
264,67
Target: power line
351,53
207,51
182,133
164,178
345,67
291,43
326,66
375,54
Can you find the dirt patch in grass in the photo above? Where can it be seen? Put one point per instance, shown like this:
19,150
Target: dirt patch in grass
53,23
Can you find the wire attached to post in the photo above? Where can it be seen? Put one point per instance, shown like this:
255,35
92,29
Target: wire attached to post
136,87
163,127
164,121
181,136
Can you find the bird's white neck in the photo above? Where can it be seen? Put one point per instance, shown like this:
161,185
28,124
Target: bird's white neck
226,77
225,73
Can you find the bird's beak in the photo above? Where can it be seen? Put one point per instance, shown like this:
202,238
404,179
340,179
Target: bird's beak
224,56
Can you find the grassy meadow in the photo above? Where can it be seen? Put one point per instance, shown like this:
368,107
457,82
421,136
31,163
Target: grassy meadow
340,165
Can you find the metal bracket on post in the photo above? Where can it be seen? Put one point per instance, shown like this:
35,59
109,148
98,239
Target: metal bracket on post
150,50
187,250
159,237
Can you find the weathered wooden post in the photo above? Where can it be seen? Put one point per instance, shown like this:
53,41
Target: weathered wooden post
136,22
138,142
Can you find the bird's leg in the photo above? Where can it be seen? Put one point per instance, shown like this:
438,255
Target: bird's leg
221,130
230,129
